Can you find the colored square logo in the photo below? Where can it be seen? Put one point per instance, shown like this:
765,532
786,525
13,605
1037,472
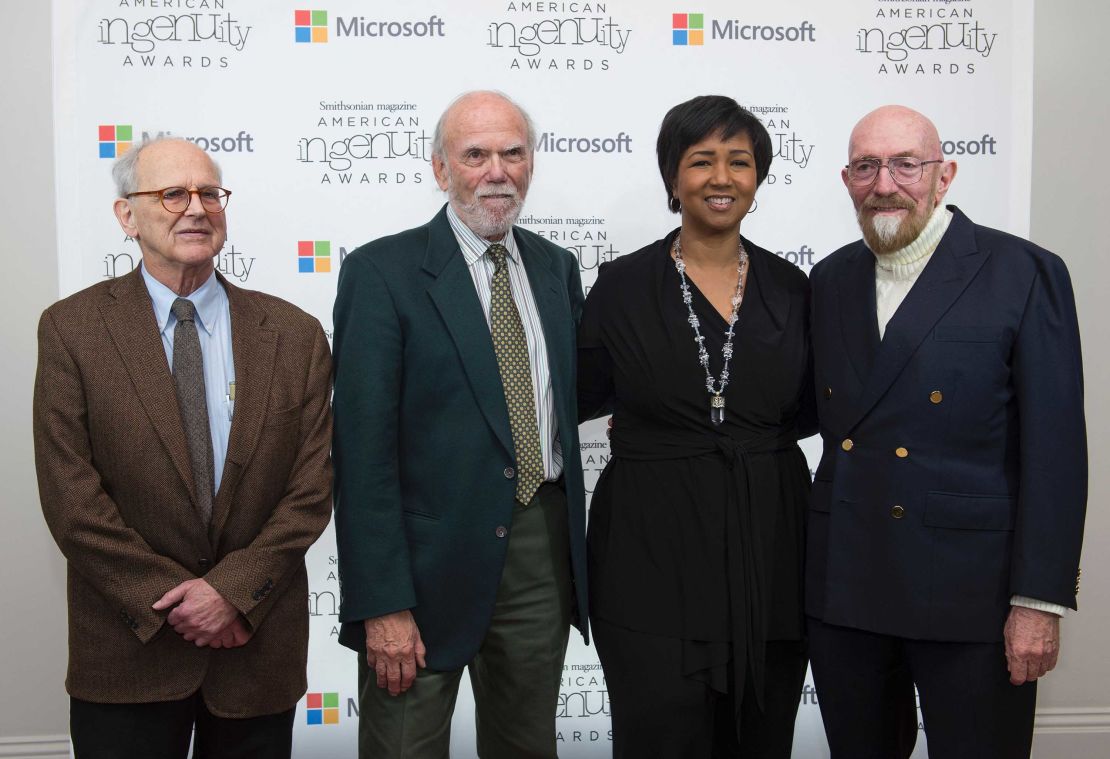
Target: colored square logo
310,26
687,28
113,139
314,257
322,708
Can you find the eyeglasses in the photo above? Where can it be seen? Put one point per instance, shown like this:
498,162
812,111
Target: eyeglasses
177,199
903,170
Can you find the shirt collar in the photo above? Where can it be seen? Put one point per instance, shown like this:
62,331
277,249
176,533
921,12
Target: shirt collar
208,299
474,247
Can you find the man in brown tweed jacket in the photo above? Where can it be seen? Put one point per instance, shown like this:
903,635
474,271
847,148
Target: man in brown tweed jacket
186,577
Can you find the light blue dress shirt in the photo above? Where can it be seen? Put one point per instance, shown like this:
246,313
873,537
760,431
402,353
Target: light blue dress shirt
214,331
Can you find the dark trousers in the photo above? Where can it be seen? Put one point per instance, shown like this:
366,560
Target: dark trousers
865,686
657,712
162,730
515,674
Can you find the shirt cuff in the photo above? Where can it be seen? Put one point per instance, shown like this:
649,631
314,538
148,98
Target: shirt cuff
1033,603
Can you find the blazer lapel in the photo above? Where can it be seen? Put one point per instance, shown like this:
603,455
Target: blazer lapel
454,297
254,349
953,265
129,317
553,305
859,327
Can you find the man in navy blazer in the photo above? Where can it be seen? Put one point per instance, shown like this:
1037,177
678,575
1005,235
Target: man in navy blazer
947,512
459,503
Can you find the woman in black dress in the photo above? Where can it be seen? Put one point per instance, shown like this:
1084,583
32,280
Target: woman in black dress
696,532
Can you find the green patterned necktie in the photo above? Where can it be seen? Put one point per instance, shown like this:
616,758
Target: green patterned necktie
511,348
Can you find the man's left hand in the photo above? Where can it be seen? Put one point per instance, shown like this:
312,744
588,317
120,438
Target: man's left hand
200,614
1032,643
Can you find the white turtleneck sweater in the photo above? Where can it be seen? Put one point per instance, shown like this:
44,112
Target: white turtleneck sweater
895,274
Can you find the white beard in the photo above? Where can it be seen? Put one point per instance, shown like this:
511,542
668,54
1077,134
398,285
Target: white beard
886,227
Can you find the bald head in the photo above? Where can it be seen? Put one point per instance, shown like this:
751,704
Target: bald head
125,170
894,124
480,103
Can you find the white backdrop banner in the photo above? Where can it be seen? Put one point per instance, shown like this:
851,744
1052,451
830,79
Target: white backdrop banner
321,116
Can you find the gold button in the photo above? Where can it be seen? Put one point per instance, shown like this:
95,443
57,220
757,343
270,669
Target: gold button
828,393
901,452
936,396
847,444
897,511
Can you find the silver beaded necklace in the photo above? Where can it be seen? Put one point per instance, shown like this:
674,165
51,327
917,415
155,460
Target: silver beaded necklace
714,387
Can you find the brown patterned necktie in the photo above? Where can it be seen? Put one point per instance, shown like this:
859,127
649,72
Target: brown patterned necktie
511,348
188,376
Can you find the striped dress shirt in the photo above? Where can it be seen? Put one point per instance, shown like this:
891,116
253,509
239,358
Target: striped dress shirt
480,267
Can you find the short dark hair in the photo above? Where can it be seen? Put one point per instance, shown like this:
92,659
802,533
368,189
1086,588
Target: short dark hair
691,122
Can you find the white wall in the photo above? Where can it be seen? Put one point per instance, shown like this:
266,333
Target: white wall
32,574
1070,198
1071,174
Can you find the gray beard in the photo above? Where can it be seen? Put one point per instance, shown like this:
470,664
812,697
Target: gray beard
486,223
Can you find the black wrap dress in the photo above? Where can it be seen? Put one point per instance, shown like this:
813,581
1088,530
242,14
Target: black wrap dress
696,531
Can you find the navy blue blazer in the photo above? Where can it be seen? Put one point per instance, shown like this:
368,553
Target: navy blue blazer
422,440
954,469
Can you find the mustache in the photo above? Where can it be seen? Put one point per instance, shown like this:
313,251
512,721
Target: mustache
504,188
893,201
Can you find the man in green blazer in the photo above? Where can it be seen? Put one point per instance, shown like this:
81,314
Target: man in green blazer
459,503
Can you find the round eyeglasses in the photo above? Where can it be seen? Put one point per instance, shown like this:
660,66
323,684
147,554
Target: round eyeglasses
177,199
903,170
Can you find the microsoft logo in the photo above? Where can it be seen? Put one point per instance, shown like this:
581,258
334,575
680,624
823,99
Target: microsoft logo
115,139
322,708
310,26
687,28
313,256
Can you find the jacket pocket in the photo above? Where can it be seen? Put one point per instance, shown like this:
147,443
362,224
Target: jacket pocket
969,512
284,416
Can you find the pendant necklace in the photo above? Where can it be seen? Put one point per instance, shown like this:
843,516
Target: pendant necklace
714,387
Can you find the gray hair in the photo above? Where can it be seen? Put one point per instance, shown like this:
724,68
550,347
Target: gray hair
124,170
438,136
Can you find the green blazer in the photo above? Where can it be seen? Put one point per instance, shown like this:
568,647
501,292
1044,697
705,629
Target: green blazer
422,439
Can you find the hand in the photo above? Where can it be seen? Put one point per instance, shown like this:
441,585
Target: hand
394,650
234,635
200,614
1032,643
609,428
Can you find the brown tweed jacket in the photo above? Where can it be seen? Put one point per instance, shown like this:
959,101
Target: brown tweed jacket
116,489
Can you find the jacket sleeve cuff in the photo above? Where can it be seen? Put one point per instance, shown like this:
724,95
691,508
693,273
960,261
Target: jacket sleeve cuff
1033,603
